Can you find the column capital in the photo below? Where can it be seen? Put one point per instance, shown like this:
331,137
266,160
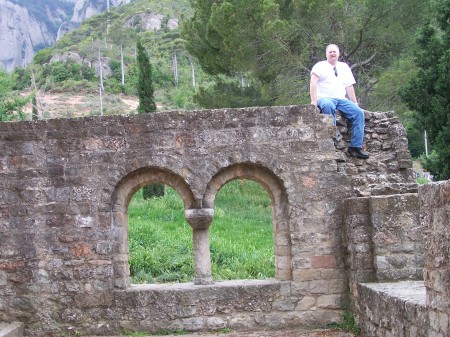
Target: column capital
199,218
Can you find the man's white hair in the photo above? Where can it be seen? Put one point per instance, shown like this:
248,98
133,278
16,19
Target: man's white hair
332,45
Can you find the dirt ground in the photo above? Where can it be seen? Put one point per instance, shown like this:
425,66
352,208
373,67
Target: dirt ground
63,105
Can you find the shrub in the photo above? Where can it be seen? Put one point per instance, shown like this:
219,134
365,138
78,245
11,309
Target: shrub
153,191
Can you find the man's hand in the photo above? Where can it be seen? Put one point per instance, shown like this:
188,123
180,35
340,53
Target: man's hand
313,90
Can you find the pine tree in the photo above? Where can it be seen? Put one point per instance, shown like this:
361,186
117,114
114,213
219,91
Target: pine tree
145,82
277,42
147,104
428,92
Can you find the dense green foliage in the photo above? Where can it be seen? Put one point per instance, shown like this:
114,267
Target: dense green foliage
63,71
145,82
11,103
153,191
161,248
226,92
429,92
276,42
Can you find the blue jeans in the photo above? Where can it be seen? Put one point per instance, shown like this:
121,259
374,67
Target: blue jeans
352,113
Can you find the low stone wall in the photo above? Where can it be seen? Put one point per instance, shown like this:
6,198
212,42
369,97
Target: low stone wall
411,308
384,238
393,309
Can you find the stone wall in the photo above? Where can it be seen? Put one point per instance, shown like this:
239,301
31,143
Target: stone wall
435,216
393,309
66,184
384,238
411,308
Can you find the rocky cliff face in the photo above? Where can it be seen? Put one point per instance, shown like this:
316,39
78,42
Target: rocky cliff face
22,34
86,8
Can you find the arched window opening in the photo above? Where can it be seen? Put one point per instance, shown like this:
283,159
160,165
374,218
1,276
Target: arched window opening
160,239
192,229
241,234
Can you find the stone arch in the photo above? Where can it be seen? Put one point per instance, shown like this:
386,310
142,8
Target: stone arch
122,195
277,193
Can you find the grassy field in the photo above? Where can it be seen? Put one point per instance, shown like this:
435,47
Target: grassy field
160,238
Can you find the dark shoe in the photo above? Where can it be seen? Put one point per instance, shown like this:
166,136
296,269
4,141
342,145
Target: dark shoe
357,152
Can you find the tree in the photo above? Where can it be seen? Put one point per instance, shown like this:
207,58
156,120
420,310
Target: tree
276,41
226,93
34,109
428,92
145,82
146,104
120,36
11,104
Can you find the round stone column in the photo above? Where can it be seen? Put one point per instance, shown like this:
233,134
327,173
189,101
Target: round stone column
200,220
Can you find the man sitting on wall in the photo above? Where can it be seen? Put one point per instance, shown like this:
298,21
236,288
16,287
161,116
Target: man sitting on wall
331,89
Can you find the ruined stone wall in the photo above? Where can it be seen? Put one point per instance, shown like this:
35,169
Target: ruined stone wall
384,238
65,186
435,216
411,308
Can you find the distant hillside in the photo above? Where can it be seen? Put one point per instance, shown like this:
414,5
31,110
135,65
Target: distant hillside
27,26
102,53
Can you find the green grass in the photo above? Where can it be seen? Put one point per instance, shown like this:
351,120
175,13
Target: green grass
241,243
422,180
348,324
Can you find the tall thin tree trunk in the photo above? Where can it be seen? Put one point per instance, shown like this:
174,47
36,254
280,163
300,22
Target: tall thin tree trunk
107,20
101,100
122,66
34,110
175,69
192,72
100,68
37,109
101,87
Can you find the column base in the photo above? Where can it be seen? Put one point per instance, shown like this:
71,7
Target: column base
203,281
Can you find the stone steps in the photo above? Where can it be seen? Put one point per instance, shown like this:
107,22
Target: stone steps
14,329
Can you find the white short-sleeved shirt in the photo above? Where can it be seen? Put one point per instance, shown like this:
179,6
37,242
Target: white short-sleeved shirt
329,84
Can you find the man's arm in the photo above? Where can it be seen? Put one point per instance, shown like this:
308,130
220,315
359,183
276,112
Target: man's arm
313,89
350,90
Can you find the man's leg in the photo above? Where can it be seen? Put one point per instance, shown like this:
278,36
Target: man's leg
328,106
355,115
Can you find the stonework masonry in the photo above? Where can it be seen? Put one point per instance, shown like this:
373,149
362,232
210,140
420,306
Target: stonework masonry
414,308
338,222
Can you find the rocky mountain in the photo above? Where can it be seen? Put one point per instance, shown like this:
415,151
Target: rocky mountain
27,26
86,8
